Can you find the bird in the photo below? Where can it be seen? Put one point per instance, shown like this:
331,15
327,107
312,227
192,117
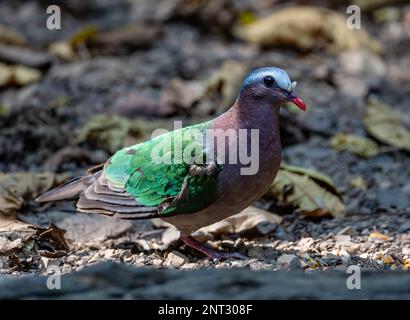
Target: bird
149,180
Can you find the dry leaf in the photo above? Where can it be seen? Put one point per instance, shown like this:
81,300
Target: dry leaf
53,235
251,220
386,125
379,236
10,36
82,36
312,194
14,234
15,187
227,82
360,146
320,178
112,132
183,94
18,74
307,28
63,50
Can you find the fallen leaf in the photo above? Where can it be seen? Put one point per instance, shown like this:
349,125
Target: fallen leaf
386,125
379,236
15,187
25,75
251,220
112,132
183,94
82,36
14,234
360,146
312,193
10,36
227,82
320,178
63,50
307,28
54,236
17,74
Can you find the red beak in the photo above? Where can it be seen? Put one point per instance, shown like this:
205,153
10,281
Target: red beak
298,101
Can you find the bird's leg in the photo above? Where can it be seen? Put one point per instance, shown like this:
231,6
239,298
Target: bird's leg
210,253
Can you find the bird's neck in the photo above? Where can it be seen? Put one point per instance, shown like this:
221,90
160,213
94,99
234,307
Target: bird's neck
242,115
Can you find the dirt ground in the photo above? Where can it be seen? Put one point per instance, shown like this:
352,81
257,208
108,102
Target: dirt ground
132,80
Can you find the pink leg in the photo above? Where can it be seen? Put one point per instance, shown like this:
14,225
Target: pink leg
210,253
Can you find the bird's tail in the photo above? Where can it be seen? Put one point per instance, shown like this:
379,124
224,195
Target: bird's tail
70,189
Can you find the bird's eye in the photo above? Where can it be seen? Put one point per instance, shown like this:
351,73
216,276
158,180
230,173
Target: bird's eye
269,81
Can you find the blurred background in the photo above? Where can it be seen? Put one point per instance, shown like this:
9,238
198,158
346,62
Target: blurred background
116,70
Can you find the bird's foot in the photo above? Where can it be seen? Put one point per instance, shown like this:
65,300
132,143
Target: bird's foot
211,253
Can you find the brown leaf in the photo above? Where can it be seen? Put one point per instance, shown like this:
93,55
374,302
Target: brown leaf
10,36
17,74
15,187
386,125
312,193
183,94
251,220
361,146
307,28
227,82
54,235
112,132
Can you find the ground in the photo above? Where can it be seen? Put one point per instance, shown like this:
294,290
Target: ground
45,126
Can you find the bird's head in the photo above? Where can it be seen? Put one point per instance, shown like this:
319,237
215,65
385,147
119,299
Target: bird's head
272,85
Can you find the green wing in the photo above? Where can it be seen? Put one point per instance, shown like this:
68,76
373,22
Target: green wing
153,172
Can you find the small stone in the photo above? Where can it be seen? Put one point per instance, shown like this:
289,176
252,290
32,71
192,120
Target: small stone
175,259
406,251
72,259
255,252
260,266
190,266
169,237
341,267
239,263
125,254
288,262
108,254
66,268
97,257
48,262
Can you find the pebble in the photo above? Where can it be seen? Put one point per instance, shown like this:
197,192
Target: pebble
175,259
288,262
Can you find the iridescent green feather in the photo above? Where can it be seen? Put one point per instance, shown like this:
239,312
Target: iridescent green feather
152,182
